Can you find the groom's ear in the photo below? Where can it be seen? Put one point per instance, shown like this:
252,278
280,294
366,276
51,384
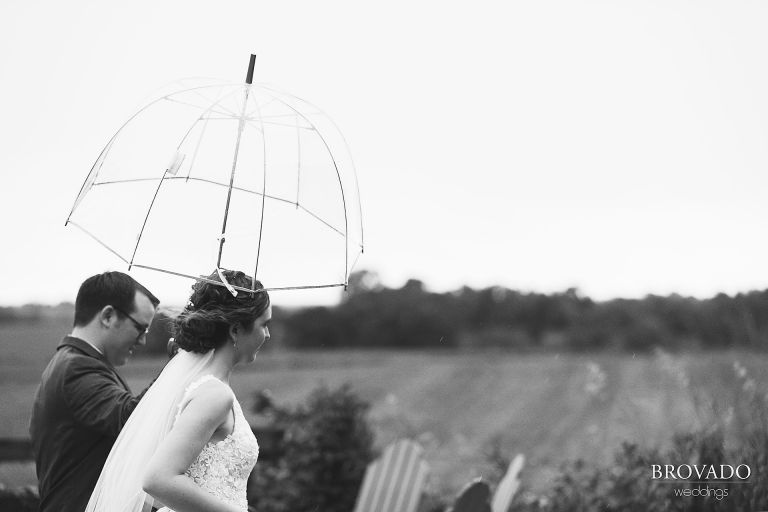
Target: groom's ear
106,315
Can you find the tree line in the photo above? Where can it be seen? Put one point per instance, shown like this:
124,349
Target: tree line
371,315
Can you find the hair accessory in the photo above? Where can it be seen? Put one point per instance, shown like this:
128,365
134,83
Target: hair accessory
226,283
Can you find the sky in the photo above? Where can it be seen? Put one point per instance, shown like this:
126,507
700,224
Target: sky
619,147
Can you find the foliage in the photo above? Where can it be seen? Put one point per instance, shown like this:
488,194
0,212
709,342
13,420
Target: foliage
372,315
21,499
628,485
37,312
326,448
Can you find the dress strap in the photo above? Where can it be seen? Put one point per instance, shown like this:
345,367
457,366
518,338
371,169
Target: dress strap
196,384
191,389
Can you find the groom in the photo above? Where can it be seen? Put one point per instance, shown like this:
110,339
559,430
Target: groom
82,403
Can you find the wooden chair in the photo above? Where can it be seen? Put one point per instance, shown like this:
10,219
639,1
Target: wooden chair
394,481
473,498
476,496
508,485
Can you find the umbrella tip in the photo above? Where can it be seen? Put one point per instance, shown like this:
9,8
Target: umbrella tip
251,64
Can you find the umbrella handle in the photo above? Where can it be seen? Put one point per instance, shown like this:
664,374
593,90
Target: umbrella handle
251,64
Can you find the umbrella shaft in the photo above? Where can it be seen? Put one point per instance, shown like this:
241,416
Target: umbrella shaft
240,127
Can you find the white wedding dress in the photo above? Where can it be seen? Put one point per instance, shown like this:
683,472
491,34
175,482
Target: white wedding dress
223,467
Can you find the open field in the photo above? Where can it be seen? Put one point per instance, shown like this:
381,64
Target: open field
552,407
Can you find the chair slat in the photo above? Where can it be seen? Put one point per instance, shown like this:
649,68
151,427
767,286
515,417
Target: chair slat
508,485
393,483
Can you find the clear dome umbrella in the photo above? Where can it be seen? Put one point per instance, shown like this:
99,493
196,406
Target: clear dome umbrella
227,176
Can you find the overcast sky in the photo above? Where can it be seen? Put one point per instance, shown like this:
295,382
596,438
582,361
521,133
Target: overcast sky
617,147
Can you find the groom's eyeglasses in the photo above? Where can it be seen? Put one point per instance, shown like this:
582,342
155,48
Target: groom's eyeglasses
142,328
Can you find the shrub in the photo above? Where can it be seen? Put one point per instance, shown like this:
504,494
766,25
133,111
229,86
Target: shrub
627,484
19,499
326,448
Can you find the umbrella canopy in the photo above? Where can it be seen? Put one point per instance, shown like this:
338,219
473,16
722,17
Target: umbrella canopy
236,176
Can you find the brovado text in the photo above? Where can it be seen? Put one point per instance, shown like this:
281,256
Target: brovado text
699,472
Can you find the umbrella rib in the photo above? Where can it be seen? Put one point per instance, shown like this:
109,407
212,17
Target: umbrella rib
198,92
250,121
80,195
203,180
160,183
320,219
264,187
338,177
197,148
346,144
132,180
146,218
298,159
225,111
240,288
286,125
264,175
357,258
202,132
226,118
244,120
99,241
306,287
273,116
103,155
258,108
239,189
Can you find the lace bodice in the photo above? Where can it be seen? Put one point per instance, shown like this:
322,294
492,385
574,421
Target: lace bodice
223,467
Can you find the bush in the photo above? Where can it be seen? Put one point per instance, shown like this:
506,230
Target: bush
20,499
327,446
627,485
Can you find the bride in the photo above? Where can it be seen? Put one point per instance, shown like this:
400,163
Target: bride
187,446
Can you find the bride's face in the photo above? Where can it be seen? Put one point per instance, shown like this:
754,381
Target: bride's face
249,343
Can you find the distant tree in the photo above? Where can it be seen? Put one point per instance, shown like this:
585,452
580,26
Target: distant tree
315,327
159,333
362,282
372,315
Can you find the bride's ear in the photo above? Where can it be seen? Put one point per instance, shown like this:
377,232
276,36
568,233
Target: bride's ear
234,331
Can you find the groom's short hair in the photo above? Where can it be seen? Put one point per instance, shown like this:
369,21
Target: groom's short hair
109,288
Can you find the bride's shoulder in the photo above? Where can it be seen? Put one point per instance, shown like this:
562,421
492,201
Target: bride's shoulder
207,384
208,392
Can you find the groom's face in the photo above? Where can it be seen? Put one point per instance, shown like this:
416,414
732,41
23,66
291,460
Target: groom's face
129,332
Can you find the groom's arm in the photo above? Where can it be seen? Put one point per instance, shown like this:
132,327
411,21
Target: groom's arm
141,395
96,398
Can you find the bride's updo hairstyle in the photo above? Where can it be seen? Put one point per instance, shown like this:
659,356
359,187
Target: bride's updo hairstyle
204,323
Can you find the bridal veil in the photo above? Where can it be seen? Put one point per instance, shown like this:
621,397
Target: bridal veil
119,486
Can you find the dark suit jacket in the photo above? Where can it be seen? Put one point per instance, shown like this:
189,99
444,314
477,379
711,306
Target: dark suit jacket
80,407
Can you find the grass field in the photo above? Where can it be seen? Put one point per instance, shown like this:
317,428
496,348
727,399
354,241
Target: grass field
551,407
